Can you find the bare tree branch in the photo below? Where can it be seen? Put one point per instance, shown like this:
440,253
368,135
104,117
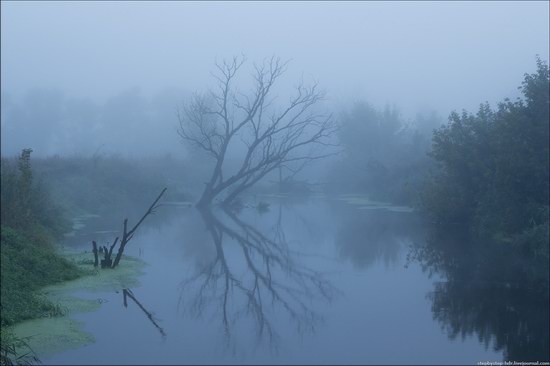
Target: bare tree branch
128,235
272,137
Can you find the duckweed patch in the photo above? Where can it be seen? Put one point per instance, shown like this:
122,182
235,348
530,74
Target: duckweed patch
388,208
364,203
48,336
99,280
51,335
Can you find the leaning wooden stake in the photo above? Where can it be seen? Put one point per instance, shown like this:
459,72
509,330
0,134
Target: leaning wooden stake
127,235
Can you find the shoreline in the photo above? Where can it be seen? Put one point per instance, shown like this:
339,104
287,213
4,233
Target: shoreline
50,335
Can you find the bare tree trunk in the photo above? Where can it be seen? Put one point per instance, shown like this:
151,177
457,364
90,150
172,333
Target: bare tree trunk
206,199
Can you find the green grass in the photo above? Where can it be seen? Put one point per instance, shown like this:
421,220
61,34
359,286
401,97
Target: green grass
29,262
15,350
47,336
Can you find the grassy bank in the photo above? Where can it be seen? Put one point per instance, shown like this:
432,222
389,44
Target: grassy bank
29,264
30,226
49,335
36,276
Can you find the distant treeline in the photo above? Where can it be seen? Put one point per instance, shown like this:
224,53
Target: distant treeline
106,184
129,123
384,156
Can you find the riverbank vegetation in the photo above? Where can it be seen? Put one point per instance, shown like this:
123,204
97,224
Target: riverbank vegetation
30,225
487,172
492,169
34,218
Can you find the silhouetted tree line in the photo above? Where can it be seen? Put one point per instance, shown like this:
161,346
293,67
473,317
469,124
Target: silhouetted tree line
492,168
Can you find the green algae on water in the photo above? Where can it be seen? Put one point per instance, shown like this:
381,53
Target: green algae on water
365,203
100,280
47,336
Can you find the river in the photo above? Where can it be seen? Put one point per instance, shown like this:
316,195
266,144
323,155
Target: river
318,281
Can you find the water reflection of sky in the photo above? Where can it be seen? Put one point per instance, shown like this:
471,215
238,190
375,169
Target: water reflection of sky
376,310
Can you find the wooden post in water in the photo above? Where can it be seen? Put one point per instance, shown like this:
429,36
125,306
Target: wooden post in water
106,262
94,249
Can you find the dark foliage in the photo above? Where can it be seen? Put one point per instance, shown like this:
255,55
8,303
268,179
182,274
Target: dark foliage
30,224
25,203
493,168
490,291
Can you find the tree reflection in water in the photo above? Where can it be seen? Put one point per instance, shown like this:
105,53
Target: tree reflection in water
492,292
366,237
267,278
127,293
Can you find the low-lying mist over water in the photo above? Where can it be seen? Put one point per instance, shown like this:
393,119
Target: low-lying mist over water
274,182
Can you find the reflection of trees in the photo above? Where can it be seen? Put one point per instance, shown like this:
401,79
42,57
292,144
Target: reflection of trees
367,236
491,292
257,280
127,293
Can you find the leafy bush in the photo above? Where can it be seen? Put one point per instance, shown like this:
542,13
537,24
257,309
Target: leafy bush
493,168
30,223
27,266
25,202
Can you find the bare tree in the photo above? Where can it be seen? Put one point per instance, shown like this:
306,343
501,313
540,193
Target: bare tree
273,137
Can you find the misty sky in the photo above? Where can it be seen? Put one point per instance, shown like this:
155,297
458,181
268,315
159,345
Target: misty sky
416,55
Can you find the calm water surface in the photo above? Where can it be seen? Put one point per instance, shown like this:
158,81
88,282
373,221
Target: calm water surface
320,281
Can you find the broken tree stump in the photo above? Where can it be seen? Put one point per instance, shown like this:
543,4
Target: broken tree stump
94,250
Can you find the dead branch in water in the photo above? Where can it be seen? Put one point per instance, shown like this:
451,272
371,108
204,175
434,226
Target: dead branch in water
126,237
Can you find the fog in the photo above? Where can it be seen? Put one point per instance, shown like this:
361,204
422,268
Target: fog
415,55
275,182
